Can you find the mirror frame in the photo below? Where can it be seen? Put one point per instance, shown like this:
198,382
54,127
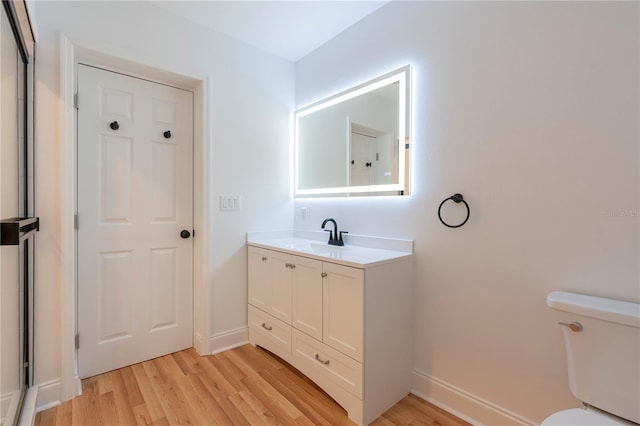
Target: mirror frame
402,76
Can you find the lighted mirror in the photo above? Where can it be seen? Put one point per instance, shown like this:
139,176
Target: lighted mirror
356,142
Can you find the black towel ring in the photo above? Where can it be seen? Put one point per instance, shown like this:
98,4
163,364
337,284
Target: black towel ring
457,198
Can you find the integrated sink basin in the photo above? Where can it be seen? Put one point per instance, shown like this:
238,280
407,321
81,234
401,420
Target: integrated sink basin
326,248
308,246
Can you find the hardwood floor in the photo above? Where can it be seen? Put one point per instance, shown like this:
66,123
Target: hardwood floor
242,386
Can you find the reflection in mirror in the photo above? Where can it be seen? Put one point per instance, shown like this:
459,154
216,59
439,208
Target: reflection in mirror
16,200
356,143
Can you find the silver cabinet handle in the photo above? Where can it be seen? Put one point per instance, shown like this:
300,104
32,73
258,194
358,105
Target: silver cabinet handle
574,326
321,360
323,275
266,327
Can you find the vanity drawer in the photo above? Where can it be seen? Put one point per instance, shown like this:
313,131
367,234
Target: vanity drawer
270,333
325,365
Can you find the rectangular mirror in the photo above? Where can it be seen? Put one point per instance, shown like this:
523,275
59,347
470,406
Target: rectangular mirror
356,142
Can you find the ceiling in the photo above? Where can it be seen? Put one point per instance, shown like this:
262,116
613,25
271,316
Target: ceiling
289,29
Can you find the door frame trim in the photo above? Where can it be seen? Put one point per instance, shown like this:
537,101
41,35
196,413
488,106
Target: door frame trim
73,51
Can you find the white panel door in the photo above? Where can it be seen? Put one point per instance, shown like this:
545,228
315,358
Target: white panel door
135,196
363,159
11,292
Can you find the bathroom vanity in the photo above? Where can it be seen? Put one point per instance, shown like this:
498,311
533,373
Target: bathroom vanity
341,315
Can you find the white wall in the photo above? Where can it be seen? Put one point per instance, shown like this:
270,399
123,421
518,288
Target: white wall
251,104
530,110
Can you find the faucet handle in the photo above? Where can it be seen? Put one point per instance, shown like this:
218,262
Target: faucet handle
339,240
331,240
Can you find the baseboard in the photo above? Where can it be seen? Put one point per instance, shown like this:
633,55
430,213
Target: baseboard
229,339
8,407
48,395
28,415
463,404
198,343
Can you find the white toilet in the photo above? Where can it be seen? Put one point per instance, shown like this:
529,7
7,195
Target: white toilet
602,340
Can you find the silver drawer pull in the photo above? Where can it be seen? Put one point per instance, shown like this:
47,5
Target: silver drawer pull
321,360
266,327
574,326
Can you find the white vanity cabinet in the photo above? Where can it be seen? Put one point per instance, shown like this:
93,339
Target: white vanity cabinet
348,327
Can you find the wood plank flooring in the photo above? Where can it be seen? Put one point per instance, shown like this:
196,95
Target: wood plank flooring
242,386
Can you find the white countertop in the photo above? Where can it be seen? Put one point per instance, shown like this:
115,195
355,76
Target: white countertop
356,256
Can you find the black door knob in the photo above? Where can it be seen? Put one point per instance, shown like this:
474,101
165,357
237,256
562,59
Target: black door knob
114,125
185,234
167,134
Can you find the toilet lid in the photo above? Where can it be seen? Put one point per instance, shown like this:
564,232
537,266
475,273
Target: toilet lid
581,417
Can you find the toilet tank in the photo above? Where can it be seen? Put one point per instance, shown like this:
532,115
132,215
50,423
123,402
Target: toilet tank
603,358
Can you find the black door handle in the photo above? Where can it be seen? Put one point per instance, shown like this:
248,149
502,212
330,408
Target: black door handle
185,234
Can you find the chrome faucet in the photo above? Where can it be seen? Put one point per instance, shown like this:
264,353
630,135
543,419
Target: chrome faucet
335,237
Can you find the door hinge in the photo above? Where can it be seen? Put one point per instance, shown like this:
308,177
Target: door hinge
75,221
77,341
75,100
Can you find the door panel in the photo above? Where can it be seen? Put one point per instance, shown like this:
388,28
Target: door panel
116,103
115,297
134,197
164,288
163,171
115,187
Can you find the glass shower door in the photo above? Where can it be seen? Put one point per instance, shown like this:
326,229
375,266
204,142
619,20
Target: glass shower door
16,203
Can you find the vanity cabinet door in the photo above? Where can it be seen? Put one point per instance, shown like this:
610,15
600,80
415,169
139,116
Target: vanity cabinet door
343,296
281,282
307,296
259,278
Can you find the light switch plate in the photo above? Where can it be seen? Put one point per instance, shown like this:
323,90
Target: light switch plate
230,202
